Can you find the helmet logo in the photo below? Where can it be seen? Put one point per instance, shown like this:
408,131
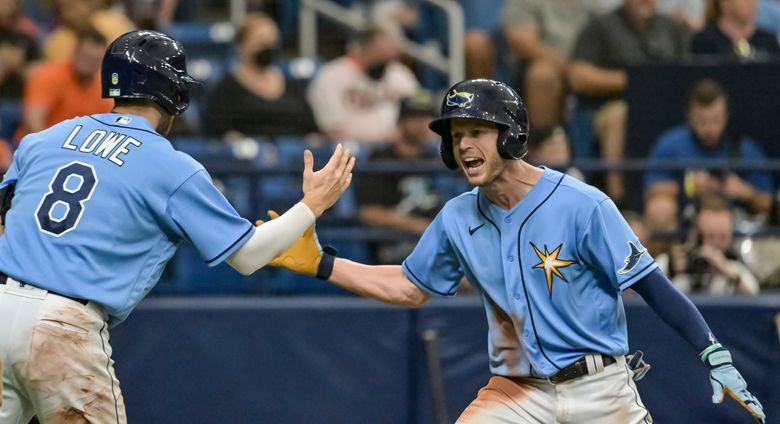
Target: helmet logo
115,78
461,99
114,92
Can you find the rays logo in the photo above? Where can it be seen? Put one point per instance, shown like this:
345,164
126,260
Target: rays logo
115,78
632,260
460,99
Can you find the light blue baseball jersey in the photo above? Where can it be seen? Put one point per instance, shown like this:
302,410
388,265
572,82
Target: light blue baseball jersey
101,204
550,271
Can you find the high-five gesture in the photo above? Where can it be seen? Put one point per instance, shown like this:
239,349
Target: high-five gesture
322,188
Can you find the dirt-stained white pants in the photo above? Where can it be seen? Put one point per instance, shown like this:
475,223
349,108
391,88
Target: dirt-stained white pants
56,360
607,397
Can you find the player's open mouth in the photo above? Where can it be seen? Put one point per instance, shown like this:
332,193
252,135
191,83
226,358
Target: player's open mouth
471,163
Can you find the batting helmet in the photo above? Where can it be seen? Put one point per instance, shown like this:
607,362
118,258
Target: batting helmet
147,65
488,100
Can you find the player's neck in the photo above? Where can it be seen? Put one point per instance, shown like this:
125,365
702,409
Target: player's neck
513,184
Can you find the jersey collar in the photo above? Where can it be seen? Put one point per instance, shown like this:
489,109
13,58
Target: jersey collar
125,121
525,206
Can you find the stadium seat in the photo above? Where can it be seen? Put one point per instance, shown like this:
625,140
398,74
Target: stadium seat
10,116
203,39
188,274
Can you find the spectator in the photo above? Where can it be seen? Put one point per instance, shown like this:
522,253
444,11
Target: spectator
631,34
733,34
12,19
704,137
77,16
150,14
63,90
708,264
542,34
550,146
690,13
405,202
483,20
768,16
358,95
256,99
17,50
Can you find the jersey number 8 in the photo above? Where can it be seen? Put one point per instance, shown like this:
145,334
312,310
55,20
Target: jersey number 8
61,208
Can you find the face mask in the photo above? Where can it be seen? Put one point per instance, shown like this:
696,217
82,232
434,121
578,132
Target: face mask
264,57
376,71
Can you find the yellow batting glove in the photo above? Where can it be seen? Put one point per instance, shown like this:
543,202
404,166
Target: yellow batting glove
305,255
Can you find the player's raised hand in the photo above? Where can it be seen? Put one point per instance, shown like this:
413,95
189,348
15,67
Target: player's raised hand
322,188
725,379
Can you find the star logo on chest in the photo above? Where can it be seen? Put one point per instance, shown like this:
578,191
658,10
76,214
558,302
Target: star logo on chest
551,264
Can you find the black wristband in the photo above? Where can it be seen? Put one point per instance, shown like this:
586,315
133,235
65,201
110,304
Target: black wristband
326,262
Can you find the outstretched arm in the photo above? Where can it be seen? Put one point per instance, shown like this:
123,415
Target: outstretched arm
679,313
385,283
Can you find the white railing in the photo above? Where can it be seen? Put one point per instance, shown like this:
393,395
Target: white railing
355,18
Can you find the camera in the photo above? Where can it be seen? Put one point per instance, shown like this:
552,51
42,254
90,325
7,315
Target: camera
697,264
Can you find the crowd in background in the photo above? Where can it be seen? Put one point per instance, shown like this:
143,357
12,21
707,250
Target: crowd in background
569,59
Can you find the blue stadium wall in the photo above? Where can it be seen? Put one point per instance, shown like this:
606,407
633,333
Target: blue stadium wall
347,360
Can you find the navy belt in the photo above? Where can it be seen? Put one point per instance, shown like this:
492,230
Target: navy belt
577,369
4,277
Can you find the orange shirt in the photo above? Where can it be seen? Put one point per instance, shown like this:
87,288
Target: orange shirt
53,86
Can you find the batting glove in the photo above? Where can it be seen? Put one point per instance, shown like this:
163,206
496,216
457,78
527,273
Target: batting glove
637,365
726,379
305,256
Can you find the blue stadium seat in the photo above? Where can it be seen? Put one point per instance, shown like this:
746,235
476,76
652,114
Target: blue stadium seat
299,68
10,117
188,274
203,39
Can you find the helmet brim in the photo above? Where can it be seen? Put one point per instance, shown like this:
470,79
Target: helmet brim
441,125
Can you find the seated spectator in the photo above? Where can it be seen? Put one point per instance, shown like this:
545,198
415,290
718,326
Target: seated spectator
768,16
704,137
58,91
733,34
11,18
17,50
631,34
357,96
405,202
708,263
151,14
549,146
542,34
77,16
482,20
256,99
690,13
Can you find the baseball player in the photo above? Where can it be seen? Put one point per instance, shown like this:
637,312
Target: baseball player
93,208
549,256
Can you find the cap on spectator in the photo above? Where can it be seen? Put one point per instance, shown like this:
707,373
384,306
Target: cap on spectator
419,104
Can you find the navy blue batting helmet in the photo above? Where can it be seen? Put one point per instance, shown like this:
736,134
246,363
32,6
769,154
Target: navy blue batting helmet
147,65
488,100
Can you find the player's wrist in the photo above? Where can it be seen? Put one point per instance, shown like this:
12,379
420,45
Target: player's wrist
327,260
715,355
313,206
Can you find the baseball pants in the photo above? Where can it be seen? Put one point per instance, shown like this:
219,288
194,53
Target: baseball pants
56,360
606,397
